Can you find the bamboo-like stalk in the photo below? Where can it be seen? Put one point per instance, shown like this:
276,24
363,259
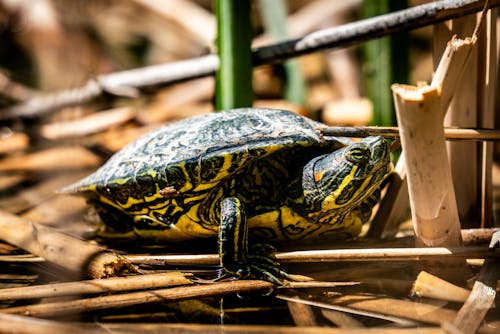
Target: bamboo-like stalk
398,308
394,132
482,296
420,111
429,286
138,298
302,314
462,113
470,236
331,255
89,124
487,92
57,158
76,256
114,284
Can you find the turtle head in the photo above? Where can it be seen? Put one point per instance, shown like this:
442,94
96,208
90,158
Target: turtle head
344,178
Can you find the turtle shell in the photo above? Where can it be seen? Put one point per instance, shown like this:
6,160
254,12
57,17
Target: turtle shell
248,133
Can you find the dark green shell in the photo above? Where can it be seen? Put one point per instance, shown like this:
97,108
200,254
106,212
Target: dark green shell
248,133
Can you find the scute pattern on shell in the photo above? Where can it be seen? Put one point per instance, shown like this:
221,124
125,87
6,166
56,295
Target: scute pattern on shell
234,132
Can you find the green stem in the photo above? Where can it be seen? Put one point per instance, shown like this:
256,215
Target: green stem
385,63
274,14
234,76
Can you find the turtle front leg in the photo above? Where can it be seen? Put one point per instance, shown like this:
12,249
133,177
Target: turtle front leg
235,257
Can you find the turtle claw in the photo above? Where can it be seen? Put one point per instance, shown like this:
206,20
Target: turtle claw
263,265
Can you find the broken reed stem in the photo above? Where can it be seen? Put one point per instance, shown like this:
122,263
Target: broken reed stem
427,313
429,286
75,255
114,284
394,132
138,298
482,296
420,112
333,255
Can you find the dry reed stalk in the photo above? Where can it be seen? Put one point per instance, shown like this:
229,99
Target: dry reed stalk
330,255
302,314
13,141
50,160
56,209
429,286
76,256
421,312
14,91
341,319
113,284
478,235
460,113
89,124
487,92
39,193
420,111
138,298
347,309
482,296
394,132
10,181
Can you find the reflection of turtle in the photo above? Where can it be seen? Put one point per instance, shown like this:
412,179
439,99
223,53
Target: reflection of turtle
193,178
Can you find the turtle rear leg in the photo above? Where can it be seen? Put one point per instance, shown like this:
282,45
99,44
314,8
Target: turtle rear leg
235,257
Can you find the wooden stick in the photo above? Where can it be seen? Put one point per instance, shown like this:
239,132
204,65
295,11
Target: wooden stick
429,286
394,132
50,160
93,123
331,255
302,314
114,284
346,308
398,308
482,297
75,255
138,298
470,236
420,111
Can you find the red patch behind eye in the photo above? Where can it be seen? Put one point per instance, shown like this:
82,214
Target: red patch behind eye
318,176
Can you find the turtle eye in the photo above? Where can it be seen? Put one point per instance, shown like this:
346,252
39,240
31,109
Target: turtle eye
356,154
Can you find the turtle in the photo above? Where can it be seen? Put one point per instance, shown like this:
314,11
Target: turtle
267,172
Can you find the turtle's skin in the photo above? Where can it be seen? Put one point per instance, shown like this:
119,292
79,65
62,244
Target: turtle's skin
270,170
